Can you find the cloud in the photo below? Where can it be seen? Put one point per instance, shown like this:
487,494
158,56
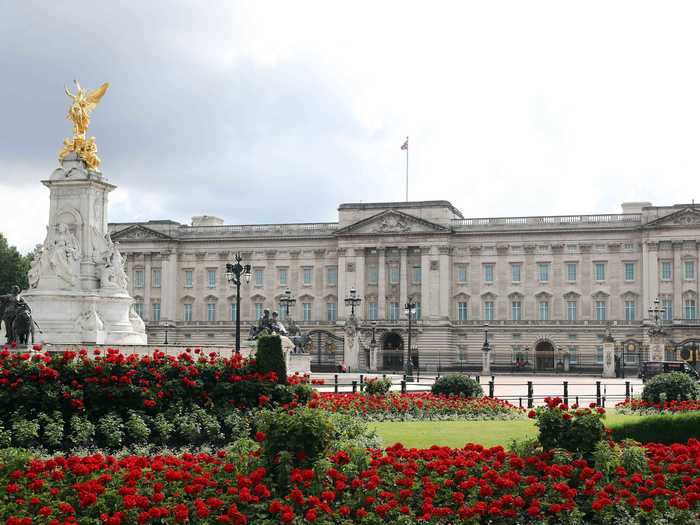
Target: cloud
277,112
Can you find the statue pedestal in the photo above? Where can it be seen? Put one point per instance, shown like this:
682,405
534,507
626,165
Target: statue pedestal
77,281
608,359
300,363
351,344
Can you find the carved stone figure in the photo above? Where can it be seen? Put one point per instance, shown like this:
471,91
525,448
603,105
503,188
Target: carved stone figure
392,223
136,322
112,274
89,320
60,257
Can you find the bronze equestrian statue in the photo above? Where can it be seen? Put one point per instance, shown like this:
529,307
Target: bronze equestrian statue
17,316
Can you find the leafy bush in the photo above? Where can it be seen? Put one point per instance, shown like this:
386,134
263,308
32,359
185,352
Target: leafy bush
110,430
136,428
269,357
578,430
82,431
458,385
674,386
303,392
675,428
378,387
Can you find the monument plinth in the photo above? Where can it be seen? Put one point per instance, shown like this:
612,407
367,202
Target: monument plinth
78,287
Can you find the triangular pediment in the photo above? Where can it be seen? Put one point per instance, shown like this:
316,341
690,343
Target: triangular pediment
391,222
137,232
683,217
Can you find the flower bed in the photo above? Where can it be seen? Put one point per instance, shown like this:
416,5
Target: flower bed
416,406
637,406
70,399
398,485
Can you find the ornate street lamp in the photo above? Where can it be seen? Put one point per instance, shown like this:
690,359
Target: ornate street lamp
372,346
287,301
352,301
486,350
167,325
234,272
410,310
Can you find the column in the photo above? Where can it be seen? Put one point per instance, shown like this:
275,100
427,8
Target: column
652,262
342,280
147,308
403,279
381,287
646,275
677,281
360,280
425,290
444,308
168,293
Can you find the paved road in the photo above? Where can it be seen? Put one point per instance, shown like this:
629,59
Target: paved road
514,387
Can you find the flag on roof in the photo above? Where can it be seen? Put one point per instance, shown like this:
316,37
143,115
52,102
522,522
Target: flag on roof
405,144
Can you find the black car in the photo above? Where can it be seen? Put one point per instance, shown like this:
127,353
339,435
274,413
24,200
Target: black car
653,368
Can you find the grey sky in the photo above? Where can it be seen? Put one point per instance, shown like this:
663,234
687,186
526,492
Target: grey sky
277,112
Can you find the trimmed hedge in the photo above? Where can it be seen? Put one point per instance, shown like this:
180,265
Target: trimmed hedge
668,429
457,385
674,386
270,357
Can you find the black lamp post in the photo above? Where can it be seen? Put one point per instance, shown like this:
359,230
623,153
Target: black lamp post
234,272
167,325
486,348
287,301
352,301
410,309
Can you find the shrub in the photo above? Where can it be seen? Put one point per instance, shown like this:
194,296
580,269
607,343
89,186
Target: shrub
82,431
52,429
378,387
136,428
303,435
458,385
674,386
270,358
110,430
675,428
303,392
577,430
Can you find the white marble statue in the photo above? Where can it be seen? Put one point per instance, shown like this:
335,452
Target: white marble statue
59,257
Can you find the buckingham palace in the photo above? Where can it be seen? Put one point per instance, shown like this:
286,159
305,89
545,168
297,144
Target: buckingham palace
546,286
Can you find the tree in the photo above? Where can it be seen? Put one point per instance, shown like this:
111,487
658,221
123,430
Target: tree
13,267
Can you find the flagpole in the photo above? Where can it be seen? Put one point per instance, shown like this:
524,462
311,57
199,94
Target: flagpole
406,169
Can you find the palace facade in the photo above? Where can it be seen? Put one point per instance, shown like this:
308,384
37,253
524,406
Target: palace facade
549,287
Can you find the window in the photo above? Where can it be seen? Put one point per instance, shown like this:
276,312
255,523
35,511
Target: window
515,272
372,311
372,274
599,355
211,278
259,274
461,271
573,355
283,276
155,281
331,311
571,270
601,310
234,311
462,311
155,309
630,310
211,311
571,313
544,310
332,275
488,273
690,312
488,311
307,311
417,313
629,271
394,274
667,305
689,270
188,278
258,311
138,308
417,275
308,275
138,279
543,272
394,312
516,310
666,270
187,312
599,271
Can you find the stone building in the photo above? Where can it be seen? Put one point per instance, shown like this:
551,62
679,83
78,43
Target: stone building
548,287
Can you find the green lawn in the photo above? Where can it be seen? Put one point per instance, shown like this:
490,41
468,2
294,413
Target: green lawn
423,434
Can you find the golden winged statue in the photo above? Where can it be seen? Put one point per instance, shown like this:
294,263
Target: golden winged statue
84,102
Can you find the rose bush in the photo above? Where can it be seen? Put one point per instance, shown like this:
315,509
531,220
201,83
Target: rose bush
396,486
639,406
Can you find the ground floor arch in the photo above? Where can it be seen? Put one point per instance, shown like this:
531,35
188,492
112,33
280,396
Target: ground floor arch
392,351
544,355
